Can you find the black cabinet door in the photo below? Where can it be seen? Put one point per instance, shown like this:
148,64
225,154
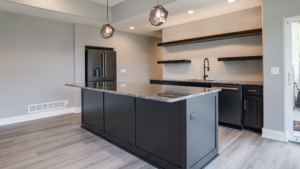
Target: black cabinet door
119,116
253,112
159,129
230,109
110,65
92,106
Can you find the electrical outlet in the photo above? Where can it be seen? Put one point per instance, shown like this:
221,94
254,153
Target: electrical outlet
193,116
274,70
123,70
66,102
123,84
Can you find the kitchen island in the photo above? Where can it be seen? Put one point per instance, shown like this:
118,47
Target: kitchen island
172,127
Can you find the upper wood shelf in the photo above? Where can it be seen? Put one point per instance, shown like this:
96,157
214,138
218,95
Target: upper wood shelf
173,61
252,32
242,58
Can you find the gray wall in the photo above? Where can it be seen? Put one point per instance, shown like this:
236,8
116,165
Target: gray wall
82,8
236,70
36,60
276,89
137,54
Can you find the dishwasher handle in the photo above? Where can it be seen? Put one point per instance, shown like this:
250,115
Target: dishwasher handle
225,88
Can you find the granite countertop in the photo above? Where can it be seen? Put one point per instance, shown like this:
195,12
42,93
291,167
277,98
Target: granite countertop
164,93
257,83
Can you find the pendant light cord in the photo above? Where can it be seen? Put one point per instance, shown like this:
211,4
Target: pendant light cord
107,11
158,2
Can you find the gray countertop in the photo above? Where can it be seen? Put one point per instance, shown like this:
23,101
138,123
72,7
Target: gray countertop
164,93
257,83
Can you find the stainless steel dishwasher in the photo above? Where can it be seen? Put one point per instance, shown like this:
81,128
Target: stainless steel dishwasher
230,105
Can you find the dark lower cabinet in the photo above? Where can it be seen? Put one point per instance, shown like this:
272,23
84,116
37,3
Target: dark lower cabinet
119,116
231,111
253,112
158,129
92,108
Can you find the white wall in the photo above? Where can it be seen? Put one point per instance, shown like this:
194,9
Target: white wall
36,60
137,54
234,70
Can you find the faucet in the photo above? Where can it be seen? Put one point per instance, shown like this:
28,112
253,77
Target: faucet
205,76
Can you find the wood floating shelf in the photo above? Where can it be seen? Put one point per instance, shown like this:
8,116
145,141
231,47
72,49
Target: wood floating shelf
231,35
243,58
173,61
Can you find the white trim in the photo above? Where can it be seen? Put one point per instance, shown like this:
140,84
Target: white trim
275,135
34,116
288,53
77,109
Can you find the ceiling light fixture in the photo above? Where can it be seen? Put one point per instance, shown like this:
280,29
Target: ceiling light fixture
158,15
190,12
131,27
107,31
231,0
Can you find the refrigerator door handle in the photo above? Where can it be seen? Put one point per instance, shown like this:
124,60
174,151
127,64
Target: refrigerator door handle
105,65
103,76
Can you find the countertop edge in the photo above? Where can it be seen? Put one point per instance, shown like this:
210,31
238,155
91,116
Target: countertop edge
148,97
213,82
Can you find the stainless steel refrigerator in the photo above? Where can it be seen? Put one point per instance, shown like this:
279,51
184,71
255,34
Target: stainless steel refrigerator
100,65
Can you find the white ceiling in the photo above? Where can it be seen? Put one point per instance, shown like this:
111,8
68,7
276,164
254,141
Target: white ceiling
110,2
177,14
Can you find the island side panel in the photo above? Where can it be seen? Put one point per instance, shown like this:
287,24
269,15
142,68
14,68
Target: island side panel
119,112
202,130
159,129
92,110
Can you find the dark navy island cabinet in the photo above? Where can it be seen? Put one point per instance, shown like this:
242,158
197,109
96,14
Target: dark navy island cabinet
177,135
92,106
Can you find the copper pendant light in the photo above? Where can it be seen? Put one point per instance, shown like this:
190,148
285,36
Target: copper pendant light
107,30
158,15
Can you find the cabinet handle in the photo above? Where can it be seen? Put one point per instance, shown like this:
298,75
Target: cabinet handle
103,64
225,88
245,104
252,91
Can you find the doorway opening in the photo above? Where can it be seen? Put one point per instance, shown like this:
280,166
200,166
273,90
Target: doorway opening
296,78
293,75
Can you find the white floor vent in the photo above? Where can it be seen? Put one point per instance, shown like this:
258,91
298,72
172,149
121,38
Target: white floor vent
35,108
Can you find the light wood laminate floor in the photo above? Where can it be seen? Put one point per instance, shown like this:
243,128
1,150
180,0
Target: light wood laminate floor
60,143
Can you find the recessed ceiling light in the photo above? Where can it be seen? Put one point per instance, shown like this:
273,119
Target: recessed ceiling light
231,0
131,27
190,11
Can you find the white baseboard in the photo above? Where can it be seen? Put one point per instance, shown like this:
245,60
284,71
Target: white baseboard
77,109
35,116
275,135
